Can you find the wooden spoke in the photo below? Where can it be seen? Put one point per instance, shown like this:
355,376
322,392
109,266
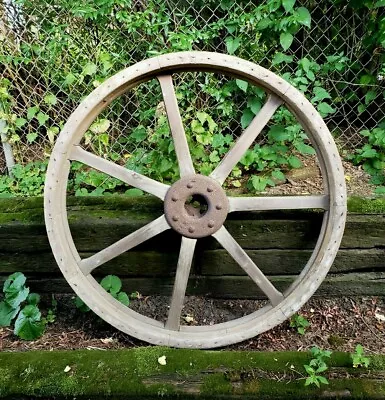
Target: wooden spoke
278,203
148,231
175,121
247,138
246,263
182,273
125,175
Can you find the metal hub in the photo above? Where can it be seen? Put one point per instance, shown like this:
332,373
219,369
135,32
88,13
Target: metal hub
196,220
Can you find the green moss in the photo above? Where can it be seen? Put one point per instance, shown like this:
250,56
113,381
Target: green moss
366,205
136,372
214,384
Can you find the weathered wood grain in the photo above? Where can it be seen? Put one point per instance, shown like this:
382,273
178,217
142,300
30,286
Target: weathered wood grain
206,262
279,243
237,287
94,230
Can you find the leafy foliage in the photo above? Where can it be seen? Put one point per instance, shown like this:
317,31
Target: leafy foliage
372,156
20,304
359,359
263,33
112,285
300,323
316,367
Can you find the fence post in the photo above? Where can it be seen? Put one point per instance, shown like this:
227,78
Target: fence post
8,153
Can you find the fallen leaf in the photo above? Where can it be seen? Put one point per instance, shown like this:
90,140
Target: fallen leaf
380,317
107,340
67,368
189,318
162,360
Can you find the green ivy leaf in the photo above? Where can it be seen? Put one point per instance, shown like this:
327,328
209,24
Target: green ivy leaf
69,79
280,58
294,162
278,133
139,133
89,69
304,148
361,108
258,183
370,96
242,84
214,158
50,99
325,109
42,118
20,122
303,16
111,283
254,104
123,298
31,112
197,127
28,325
278,175
286,39
264,23
288,5
247,117
100,126
31,137
320,94
7,313
232,44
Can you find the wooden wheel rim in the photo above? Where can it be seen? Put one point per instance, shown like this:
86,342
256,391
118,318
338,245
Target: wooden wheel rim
137,325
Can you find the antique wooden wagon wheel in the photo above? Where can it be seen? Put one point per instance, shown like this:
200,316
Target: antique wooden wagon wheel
281,306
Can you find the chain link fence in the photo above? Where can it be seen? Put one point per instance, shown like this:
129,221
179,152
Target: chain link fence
54,53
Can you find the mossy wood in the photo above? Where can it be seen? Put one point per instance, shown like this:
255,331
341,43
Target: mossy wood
136,373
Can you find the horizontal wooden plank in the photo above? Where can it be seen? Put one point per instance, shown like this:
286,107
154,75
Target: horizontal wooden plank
241,287
95,230
287,262
208,262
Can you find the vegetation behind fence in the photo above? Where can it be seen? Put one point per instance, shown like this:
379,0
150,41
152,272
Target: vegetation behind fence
54,53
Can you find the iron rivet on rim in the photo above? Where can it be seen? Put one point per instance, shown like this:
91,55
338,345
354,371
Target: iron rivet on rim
191,229
219,207
211,224
174,198
210,189
190,185
175,218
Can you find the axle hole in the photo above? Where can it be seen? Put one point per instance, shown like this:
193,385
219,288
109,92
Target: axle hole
196,206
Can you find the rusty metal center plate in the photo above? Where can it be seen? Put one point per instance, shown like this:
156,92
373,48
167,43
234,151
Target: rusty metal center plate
190,221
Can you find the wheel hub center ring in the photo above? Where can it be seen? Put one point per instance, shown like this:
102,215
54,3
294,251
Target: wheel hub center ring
188,221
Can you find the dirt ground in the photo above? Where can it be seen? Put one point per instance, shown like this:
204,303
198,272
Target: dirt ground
338,324
308,180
